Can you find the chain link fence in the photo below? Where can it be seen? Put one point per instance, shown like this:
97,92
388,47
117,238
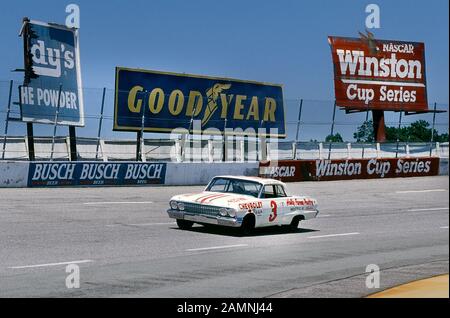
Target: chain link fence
308,127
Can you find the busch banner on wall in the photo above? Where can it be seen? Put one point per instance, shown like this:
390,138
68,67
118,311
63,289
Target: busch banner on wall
161,102
379,74
95,174
52,75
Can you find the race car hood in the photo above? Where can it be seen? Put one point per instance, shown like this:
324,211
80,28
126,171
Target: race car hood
215,198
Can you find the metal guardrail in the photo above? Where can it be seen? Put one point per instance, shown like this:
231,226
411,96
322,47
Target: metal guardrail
211,150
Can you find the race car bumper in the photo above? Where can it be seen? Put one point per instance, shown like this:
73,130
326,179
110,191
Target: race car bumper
203,219
307,215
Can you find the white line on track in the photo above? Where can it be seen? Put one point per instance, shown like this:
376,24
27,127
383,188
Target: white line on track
140,224
429,209
120,202
323,215
334,235
444,227
421,191
215,247
51,264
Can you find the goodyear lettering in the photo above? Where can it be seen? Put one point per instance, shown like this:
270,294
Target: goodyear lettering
176,104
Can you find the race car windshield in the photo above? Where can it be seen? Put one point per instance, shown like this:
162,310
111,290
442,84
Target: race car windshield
234,186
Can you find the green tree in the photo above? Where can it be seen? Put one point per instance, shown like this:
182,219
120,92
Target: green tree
334,138
418,131
365,132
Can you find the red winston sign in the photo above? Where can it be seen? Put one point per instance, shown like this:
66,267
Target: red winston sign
344,169
379,74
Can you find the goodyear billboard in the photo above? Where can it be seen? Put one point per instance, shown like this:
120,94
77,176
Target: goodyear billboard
161,102
52,86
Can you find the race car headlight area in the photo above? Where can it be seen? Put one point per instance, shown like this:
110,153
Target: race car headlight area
188,208
227,212
177,205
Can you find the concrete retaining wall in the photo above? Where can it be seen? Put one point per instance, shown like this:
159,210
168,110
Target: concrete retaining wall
14,174
443,166
201,173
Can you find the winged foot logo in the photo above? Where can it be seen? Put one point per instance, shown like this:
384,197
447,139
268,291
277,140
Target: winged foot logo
212,95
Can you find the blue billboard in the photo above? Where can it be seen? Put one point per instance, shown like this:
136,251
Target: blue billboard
95,174
154,101
52,89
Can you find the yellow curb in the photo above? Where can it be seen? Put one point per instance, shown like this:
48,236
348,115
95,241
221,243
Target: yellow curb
434,287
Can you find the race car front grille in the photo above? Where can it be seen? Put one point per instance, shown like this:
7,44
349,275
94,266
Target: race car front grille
201,209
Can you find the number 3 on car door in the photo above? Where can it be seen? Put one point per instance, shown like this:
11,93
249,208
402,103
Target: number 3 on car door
273,215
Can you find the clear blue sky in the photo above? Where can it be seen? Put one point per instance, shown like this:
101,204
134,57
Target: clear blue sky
275,41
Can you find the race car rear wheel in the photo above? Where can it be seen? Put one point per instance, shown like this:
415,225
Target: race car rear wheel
294,223
184,225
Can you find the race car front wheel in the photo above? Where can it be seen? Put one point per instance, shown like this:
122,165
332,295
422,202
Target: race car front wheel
248,224
184,225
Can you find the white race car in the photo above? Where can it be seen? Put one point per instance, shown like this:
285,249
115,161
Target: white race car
244,202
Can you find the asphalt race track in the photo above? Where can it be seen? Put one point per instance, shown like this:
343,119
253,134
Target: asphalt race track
126,246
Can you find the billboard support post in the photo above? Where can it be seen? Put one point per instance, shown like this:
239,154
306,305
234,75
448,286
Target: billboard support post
30,141
100,122
432,129
298,127
138,145
73,143
139,137
398,133
365,122
224,145
332,129
8,109
378,125
55,125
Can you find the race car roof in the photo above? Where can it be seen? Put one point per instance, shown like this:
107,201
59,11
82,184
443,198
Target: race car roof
254,179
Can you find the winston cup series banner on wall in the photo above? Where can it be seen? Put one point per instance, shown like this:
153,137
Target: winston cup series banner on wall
161,102
52,75
346,169
379,74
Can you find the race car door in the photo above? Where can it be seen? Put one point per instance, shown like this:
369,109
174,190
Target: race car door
273,197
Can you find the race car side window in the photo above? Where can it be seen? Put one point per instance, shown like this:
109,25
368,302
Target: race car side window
273,191
269,192
280,191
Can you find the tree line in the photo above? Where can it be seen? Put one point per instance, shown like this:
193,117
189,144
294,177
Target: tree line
418,131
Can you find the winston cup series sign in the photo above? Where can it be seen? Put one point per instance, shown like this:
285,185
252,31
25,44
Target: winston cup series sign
161,102
346,169
379,74
52,75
